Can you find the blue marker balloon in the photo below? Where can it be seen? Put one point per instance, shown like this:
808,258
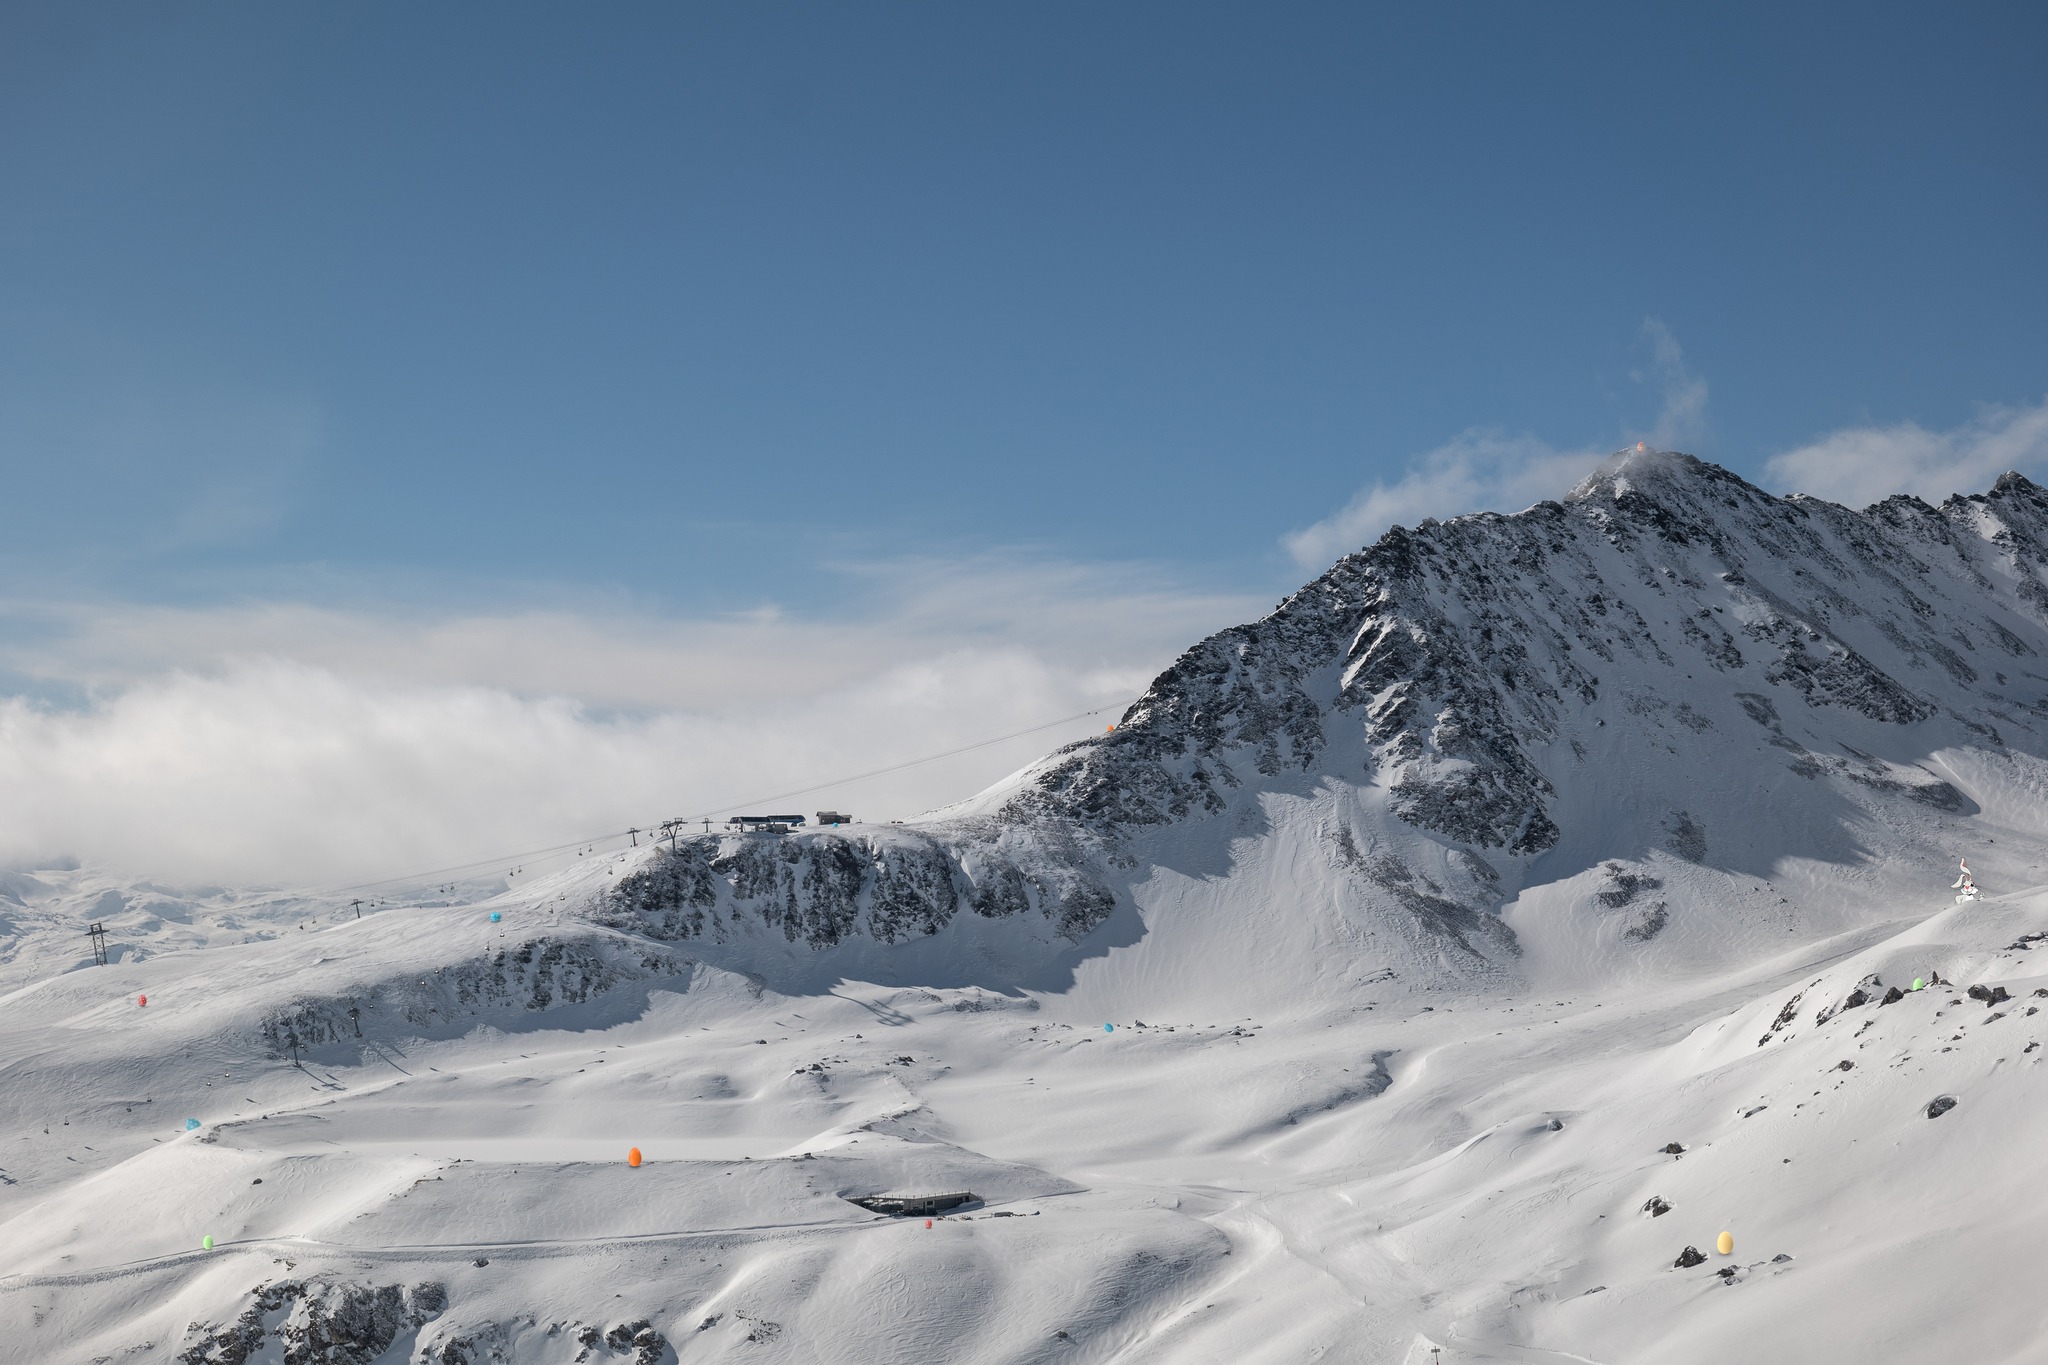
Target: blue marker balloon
190,1124
495,917
1109,1028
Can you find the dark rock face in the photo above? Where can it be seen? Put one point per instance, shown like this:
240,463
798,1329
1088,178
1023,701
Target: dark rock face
822,889
1368,642
629,1343
1688,838
1461,645
667,898
1623,886
913,892
1451,921
311,1323
1649,922
1657,1207
538,974
648,1346
1940,1105
1688,1258
1785,1017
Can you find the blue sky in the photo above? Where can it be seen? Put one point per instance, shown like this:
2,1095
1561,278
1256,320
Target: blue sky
563,353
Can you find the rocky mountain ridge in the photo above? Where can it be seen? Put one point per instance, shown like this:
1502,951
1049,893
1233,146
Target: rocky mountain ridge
1472,685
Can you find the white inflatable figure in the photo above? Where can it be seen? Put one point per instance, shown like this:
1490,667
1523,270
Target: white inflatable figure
1965,885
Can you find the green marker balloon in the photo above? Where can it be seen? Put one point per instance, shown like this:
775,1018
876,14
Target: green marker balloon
1918,983
206,1243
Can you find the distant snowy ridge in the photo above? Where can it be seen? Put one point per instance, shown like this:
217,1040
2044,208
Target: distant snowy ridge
1459,708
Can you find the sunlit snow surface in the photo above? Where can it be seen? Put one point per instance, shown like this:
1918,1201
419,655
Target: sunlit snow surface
1344,1176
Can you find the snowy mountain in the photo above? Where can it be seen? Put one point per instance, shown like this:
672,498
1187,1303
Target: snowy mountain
1572,870
1617,716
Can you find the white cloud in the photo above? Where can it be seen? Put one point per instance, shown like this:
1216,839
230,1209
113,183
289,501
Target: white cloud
1862,465
1682,415
293,743
1084,617
1478,471
1490,471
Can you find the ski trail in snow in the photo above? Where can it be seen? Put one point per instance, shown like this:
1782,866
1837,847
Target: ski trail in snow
437,1251
1507,1350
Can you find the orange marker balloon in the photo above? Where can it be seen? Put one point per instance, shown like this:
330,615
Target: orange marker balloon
633,1157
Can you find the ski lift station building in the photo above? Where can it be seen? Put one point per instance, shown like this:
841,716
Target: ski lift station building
764,824
782,824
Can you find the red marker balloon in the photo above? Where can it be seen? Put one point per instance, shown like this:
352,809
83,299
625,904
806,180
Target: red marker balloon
927,1222
142,1000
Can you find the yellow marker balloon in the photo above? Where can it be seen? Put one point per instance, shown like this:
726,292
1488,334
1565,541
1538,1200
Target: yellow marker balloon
1726,1246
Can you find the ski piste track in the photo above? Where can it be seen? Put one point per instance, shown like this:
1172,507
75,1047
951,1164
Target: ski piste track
1260,1233
1675,1018
428,1253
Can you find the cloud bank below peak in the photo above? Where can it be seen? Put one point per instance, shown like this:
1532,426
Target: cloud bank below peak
289,742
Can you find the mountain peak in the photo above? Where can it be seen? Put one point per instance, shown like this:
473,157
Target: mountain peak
2012,481
1642,467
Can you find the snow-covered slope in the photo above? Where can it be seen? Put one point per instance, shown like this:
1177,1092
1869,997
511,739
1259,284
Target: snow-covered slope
1429,912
